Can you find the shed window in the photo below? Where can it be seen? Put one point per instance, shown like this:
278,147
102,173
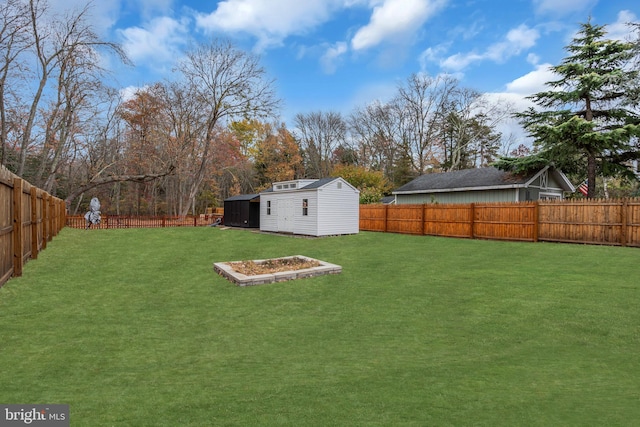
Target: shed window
305,207
268,207
339,185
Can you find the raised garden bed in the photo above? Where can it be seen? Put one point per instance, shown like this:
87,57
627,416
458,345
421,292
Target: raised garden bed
259,272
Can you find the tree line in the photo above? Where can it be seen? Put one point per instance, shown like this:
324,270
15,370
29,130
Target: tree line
211,131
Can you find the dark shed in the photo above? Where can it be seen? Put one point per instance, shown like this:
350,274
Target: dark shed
242,211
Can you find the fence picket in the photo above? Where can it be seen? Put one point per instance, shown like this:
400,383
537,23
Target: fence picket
591,221
26,222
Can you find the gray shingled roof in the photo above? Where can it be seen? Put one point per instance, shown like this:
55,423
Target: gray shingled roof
469,178
319,183
242,197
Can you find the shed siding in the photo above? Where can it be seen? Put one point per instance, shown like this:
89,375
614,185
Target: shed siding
330,210
339,210
268,222
306,224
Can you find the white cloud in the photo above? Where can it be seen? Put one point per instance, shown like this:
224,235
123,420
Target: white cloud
129,92
332,56
533,59
159,41
558,8
532,82
516,41
394,18
270,21
516,93
150,7
460,61
101,15
619,30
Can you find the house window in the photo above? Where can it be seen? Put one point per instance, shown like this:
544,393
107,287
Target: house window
268,207
305,207
550,196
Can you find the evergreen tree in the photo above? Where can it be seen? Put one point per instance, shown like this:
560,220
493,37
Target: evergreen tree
586,122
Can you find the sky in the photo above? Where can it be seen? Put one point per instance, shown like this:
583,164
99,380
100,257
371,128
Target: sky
335,55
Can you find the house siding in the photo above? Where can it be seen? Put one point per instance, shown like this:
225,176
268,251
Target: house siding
508,195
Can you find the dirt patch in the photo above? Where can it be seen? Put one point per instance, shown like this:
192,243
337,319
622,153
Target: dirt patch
252,268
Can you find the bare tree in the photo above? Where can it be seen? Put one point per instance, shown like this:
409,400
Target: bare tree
377,133
14,40
319,134
226,83
469,136
422,102
58,44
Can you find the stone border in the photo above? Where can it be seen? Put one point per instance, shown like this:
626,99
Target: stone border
224,269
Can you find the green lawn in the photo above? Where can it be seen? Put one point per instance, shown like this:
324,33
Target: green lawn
133,328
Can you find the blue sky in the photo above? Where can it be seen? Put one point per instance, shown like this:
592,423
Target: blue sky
333,55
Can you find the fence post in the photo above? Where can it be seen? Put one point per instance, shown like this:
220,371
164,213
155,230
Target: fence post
386,217
45,220
34,223
17,227
472,216
536,219
54,216
623,222
422,219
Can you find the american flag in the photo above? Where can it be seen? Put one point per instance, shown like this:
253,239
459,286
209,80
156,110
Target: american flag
584,187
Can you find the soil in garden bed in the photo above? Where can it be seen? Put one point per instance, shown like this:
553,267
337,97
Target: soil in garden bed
252,268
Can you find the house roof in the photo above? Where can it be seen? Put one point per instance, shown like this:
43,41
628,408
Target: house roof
478,179
242,197
388,200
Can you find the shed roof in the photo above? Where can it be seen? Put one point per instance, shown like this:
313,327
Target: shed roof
319,183
242,197
477,179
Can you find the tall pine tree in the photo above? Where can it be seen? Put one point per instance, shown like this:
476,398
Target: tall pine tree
586,123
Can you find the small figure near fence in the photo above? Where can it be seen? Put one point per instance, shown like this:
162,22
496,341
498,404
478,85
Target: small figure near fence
93,216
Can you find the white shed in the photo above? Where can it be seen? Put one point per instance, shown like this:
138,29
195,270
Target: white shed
314,207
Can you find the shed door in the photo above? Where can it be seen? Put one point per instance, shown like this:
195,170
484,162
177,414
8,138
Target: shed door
285,211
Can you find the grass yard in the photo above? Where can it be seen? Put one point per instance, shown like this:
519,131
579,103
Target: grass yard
133,328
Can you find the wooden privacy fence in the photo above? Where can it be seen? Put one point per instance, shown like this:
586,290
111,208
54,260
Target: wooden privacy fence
590,221
29,218
129,221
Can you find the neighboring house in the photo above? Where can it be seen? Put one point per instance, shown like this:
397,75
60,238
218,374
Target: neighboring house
484,185
314,207
388,200
242,211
